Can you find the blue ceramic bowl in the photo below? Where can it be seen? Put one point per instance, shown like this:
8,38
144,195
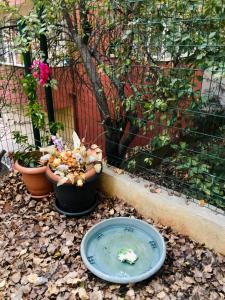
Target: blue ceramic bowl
102,243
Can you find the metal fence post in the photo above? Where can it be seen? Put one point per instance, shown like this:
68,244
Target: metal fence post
27,70
48,89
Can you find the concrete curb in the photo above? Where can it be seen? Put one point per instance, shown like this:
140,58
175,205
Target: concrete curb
199,223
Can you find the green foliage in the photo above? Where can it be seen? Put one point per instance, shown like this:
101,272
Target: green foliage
55,127
203,171
160,140
26,154
131,164
20,138
158,50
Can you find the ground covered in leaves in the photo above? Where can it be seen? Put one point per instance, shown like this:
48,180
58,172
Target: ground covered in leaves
40,258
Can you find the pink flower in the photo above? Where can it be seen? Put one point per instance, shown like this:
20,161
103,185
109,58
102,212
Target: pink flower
41,71
35,74
42,82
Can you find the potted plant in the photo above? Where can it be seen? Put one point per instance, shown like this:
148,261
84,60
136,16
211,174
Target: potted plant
27,162
73,174
27,158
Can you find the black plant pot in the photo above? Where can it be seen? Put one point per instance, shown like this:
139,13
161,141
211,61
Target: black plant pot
3,169
75,201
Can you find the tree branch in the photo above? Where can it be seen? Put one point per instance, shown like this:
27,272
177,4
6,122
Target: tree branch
90,68
127,139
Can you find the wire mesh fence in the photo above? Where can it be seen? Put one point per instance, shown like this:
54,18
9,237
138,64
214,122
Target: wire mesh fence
148,86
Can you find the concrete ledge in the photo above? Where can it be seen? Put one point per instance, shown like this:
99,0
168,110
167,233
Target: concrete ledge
199,223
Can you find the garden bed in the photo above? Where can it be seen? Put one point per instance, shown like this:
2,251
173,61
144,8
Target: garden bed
40,258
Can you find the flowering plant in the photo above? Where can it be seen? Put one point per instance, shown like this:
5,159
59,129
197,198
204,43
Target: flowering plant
41,71
72,165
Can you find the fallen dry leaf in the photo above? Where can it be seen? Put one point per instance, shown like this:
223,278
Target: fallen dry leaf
52,289
208,269
161,295
130,295
118,171
2,283
31,233
16,277
36,280
201,203
155,190
82,293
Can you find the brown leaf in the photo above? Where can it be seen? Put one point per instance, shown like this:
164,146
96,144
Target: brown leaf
16,277
57,254
64,250
208,269
82,293
201,203
111,212
155,190
189,279
161,295
18,295
36,280
96,295
118,171
130,295
18,197
52,289
2,283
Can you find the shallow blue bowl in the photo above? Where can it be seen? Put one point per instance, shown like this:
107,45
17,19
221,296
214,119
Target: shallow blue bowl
101,244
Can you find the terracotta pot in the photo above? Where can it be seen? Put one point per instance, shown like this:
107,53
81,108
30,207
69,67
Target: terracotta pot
35,180
72,200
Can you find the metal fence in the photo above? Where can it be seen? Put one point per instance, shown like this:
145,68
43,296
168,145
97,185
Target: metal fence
175,105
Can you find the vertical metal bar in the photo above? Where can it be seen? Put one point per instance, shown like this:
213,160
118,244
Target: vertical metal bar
48,89
27,70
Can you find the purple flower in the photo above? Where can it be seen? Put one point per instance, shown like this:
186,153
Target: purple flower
57,142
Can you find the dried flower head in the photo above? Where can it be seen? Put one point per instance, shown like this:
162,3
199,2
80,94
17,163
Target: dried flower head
72,165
